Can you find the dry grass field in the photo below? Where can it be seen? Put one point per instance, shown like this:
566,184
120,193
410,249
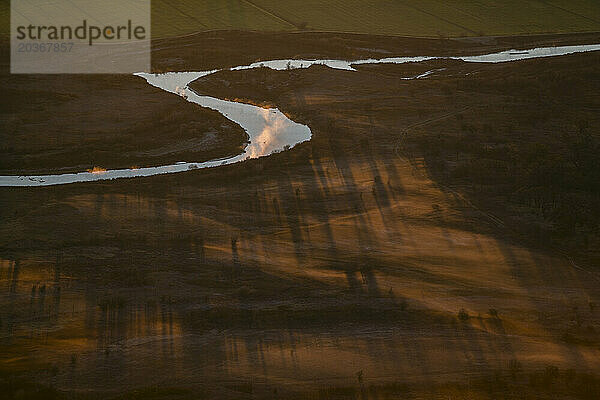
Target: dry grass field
437,238
349,267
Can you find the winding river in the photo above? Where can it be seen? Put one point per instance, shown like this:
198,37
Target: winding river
269,130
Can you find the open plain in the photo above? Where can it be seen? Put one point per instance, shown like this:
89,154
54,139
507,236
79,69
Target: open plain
394,255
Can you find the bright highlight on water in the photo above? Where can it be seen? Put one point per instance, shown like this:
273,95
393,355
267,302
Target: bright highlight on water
269,130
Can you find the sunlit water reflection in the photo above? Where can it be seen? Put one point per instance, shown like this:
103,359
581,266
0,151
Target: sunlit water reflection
269,130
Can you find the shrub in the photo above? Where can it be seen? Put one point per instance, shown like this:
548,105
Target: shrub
463,315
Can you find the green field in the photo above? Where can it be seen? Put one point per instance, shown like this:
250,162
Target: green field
430,18
407,18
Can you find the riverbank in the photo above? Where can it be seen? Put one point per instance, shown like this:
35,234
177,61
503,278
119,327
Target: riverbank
72,123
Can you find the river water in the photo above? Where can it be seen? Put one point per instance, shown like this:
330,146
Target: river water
269,130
